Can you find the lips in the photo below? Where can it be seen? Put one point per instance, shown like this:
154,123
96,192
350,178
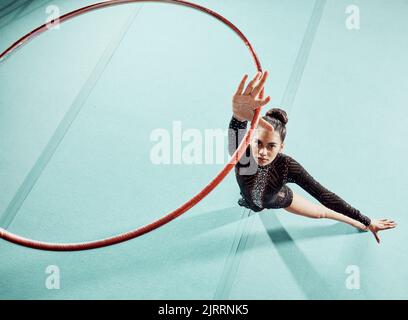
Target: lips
262,159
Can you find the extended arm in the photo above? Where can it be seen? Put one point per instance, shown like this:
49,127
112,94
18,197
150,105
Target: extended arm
236,132
308,209
244,102
303,207
298,175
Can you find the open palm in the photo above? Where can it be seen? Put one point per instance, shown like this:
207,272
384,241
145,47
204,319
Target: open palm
246,100
380,225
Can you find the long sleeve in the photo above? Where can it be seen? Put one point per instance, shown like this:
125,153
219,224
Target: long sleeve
236,133
297,174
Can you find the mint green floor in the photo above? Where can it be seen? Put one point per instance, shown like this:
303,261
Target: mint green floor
78,105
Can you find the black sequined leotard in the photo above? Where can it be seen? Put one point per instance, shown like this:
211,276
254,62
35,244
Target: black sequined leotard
266,188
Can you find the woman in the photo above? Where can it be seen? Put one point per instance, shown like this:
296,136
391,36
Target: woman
263,186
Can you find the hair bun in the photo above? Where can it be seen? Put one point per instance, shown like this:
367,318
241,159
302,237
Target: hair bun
279,114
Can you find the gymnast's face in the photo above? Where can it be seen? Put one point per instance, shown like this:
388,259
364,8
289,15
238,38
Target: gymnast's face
265,146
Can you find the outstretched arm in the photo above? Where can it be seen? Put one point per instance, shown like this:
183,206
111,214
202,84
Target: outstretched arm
303,207
297,174
236,132
244,102
333,206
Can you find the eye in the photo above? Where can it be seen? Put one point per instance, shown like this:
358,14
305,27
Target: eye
270,147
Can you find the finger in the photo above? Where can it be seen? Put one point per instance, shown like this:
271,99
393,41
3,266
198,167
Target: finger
389,224
376,237
265,124
261,94
260,85
242,84
265,101
252,83
259,88
261,103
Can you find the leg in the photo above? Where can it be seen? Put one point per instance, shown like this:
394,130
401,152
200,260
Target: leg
303,207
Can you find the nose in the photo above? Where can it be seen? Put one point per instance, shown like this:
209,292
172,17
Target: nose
262,152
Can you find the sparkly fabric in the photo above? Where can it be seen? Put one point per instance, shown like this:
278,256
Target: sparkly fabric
260,183
266,188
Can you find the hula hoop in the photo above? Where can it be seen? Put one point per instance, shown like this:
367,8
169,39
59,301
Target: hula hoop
11,237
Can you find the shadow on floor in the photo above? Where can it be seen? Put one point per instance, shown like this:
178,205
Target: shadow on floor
308,278
198,239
